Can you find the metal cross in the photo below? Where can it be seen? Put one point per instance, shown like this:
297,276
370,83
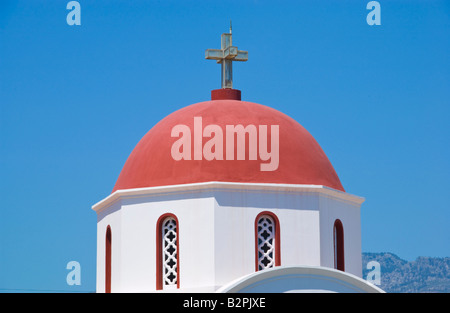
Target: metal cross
225,56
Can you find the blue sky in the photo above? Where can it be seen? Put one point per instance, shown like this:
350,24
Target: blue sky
75,100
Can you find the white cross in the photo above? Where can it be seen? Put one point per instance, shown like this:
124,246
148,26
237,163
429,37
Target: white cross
225,56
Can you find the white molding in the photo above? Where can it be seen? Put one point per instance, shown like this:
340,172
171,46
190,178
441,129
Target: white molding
227,186
320,274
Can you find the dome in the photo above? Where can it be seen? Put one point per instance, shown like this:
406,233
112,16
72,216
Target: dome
300,158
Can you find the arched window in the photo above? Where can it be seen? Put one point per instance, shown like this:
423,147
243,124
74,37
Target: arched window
167,262
338,242
108,242
267,243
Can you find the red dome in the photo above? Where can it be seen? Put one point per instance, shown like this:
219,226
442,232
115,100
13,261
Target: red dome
301,159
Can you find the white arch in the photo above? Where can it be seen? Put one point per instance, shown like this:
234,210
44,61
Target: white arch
299,279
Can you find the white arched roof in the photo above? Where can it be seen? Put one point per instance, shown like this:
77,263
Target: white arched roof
282,279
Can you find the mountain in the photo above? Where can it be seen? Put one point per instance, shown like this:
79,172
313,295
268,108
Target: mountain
424,275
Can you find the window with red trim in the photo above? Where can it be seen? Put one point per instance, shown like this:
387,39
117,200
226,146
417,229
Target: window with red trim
167,253
338,242
267,241
108,255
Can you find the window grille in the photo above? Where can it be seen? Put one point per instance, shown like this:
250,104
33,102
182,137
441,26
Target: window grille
169,253
266,242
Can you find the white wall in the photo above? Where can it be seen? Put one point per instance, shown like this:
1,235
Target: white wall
217,234
110,216
349,214
138,259
235,216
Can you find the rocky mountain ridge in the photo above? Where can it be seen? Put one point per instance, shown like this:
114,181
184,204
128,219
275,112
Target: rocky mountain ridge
423,275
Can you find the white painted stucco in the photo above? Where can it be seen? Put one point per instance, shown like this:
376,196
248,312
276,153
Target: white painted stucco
217,231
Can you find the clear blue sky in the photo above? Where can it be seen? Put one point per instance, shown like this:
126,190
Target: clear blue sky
75,100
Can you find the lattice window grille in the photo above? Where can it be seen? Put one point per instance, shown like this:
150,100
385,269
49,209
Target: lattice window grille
169,246
266,242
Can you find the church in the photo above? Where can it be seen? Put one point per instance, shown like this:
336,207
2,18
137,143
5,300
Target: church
229,196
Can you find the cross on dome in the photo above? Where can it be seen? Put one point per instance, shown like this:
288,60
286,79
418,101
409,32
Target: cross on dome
225,56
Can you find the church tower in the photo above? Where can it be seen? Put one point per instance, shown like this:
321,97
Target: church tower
224,196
